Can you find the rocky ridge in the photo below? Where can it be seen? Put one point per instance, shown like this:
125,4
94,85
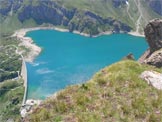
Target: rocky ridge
53,13
83,19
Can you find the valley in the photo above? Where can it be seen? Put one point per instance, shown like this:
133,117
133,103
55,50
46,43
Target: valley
111,94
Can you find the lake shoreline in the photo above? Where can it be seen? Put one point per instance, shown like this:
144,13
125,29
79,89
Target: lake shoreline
35,50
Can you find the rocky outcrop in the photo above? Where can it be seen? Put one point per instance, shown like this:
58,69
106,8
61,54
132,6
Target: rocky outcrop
130,56
95,24
52,14
155,59
153,78
153,33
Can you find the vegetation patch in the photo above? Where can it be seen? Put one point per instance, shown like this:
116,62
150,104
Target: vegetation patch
11,95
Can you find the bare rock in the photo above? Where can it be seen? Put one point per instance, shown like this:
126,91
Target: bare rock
144,56
153,78
153,33
155,59
130,56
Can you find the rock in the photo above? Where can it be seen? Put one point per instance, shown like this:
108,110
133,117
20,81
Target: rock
153,78
144,56
155,59
153,33
10,120
130,56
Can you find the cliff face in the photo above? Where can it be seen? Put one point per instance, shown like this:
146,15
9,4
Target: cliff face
85,21
46,12
53,13
153,33
92,17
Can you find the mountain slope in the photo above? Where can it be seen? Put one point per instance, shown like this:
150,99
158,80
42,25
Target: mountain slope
11,95
88,16
111,95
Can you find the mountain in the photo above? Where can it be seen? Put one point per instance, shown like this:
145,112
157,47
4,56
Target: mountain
116,93
86,16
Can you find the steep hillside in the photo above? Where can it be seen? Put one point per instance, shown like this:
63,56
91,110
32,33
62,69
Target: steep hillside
108,89
11,84
88,16
11,95
116,93
156,5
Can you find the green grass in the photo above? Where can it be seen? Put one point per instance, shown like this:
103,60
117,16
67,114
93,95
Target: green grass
116,93
11,23
11,91
10,62
11,95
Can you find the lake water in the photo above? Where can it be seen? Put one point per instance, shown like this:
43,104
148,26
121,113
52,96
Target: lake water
68,58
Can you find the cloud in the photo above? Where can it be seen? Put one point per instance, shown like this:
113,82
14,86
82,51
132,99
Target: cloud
44,71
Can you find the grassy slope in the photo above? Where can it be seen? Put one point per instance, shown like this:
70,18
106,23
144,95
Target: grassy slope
116,93
11,95
11,91
11,23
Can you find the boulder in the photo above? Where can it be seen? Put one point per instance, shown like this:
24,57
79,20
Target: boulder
155,59
130,56
153,78
153,34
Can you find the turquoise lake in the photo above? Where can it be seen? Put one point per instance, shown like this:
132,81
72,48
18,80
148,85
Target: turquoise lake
68,58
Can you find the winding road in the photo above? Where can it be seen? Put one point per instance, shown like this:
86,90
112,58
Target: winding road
128,6
138,4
